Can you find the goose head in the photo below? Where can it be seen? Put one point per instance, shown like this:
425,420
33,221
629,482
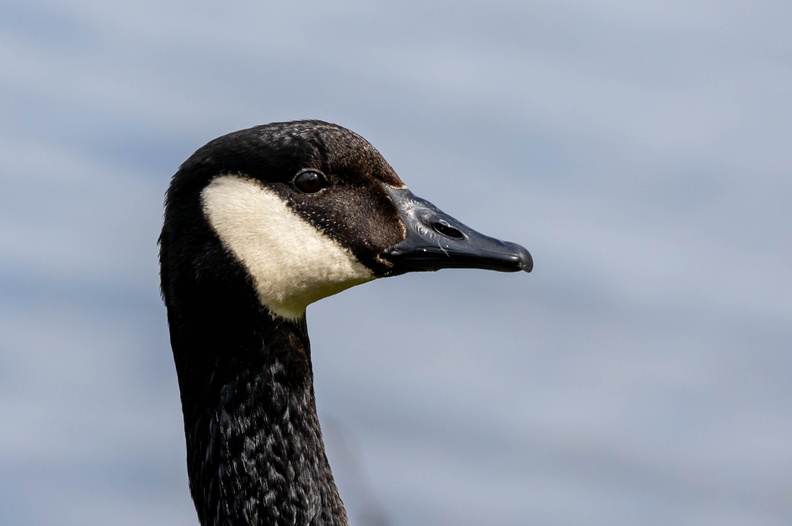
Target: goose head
304,210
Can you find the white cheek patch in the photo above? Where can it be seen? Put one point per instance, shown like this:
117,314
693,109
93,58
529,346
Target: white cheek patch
291,262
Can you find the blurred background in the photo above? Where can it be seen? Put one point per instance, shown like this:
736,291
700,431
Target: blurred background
640,150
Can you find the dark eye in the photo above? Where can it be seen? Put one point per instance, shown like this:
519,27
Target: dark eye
310,182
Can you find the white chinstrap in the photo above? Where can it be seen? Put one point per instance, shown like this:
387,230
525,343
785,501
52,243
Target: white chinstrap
291,262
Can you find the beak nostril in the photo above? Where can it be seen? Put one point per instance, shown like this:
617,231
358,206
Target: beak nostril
441,227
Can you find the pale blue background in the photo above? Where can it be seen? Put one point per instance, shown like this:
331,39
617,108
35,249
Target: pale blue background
641,150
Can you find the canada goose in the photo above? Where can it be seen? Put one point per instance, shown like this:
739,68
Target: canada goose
258,224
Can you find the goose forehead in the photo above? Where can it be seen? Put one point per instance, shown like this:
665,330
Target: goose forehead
277,151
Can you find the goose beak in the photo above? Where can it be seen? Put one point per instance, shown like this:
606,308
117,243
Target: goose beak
435,240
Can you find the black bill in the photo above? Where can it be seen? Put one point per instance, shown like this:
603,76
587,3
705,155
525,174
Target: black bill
436,240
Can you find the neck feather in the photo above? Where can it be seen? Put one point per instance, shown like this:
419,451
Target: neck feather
255,453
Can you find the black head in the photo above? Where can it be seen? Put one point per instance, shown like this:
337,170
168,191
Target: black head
302,210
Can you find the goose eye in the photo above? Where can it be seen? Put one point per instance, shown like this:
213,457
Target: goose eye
310,182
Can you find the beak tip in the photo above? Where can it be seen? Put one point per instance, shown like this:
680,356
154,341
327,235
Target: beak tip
526,260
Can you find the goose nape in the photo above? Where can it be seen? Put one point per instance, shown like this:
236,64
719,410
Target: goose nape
258,224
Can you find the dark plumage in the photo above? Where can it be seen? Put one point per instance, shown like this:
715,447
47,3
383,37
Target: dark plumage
254,447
